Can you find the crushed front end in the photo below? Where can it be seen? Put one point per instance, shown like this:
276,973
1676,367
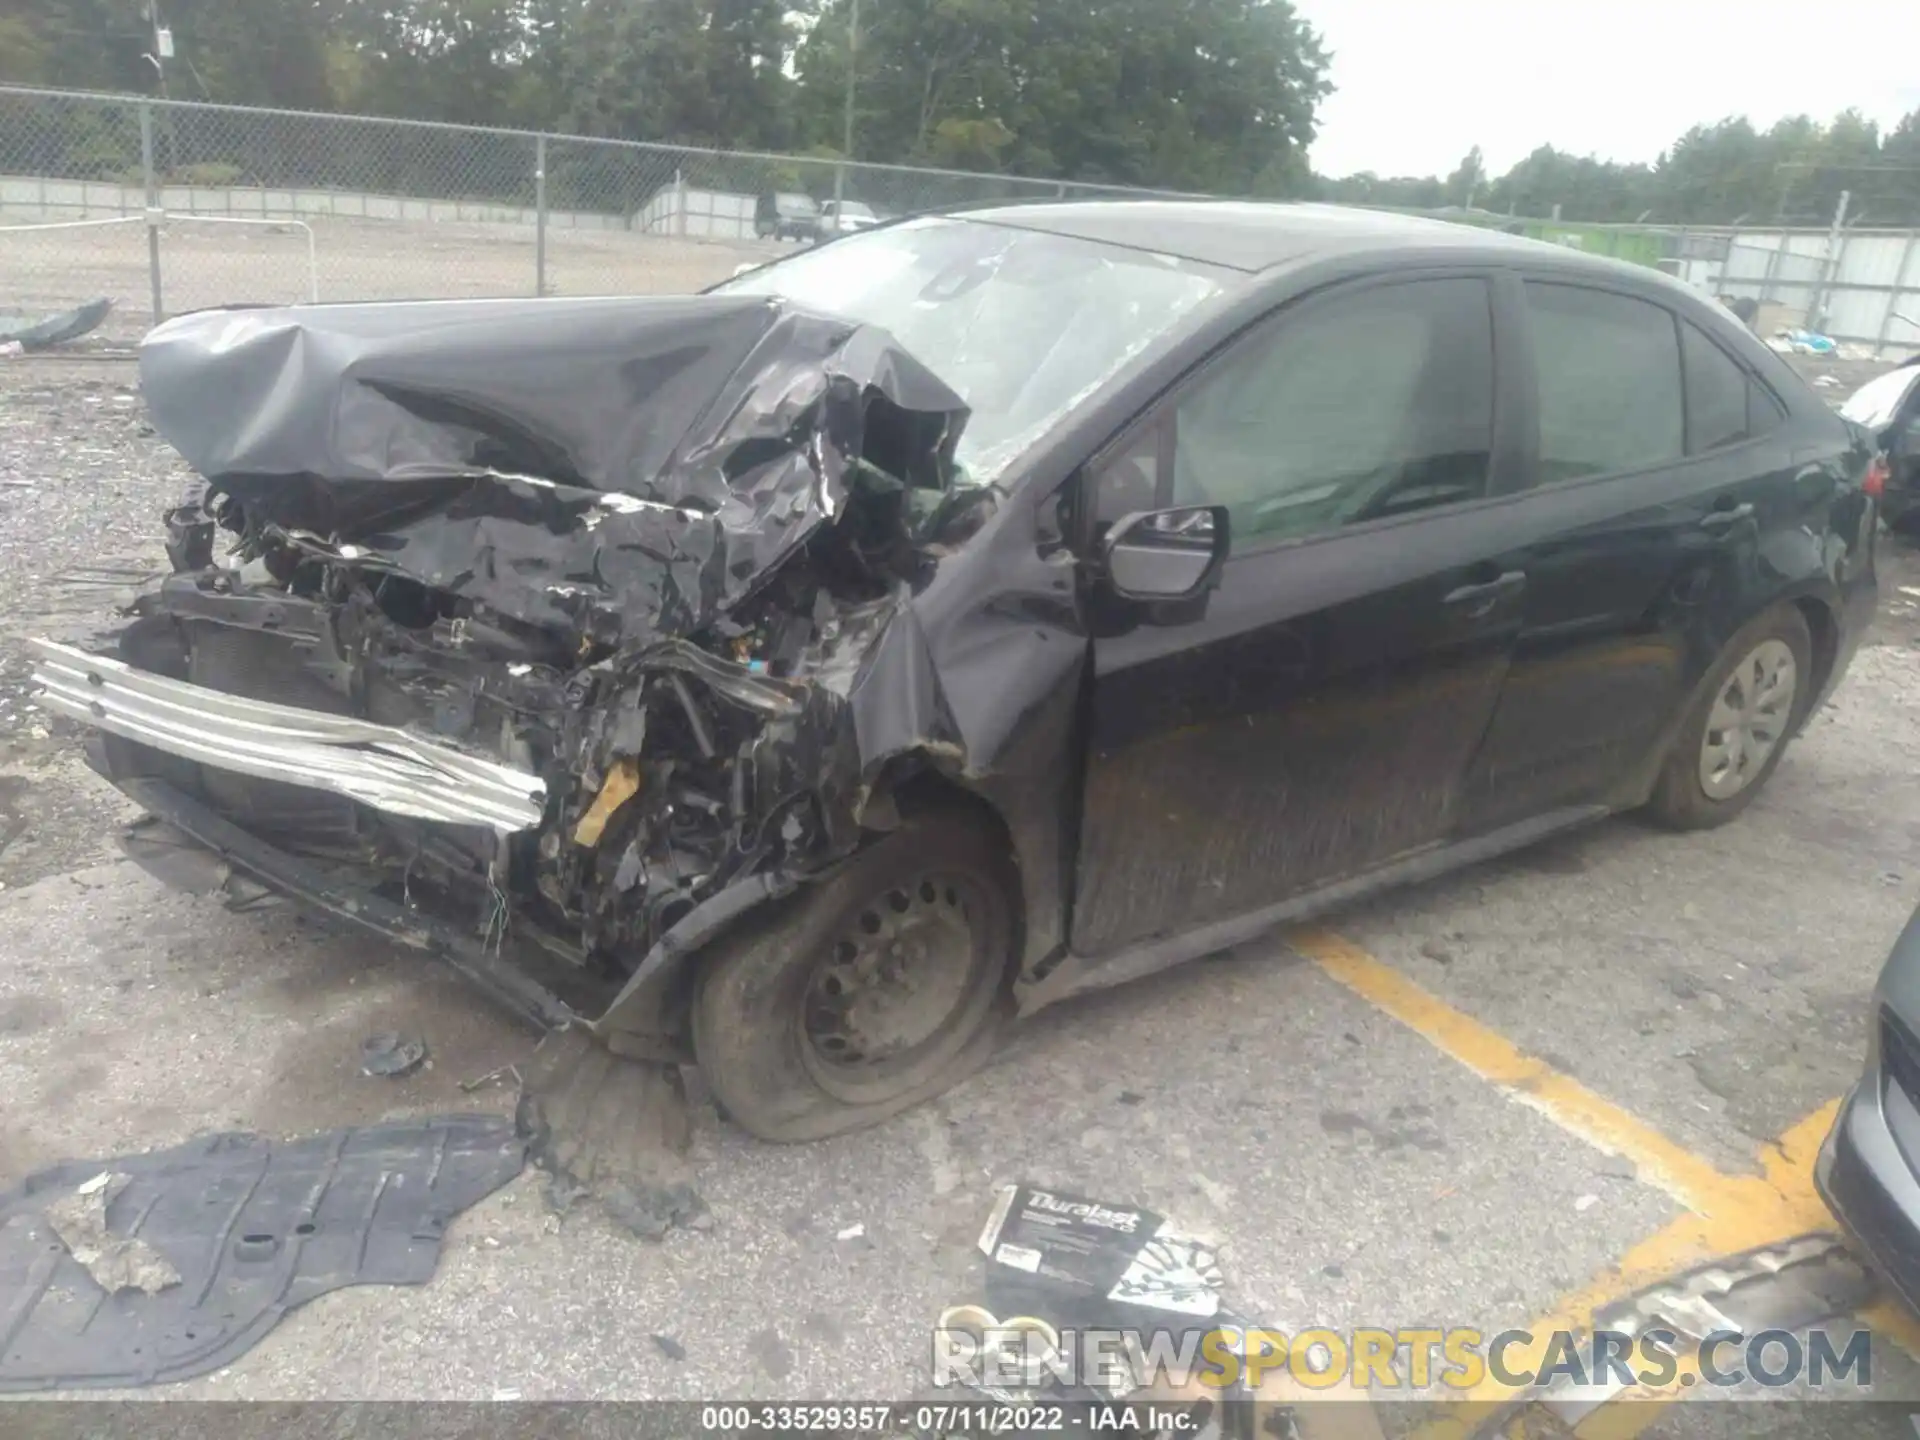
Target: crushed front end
525,632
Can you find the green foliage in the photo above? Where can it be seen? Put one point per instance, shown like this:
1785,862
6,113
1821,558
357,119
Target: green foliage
1203,95
1719,174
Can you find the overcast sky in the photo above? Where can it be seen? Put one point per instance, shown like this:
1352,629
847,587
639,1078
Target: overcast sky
1420,82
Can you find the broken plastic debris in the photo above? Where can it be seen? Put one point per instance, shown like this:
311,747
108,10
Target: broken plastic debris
650,1210
603,1125
16,330
390,1054
257,1227
115,1262
1803,342
622,784
852,1232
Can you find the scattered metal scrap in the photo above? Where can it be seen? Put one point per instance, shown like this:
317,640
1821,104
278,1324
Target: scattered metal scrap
179,1261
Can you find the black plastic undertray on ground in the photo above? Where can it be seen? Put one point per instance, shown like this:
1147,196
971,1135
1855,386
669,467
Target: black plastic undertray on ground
253,1226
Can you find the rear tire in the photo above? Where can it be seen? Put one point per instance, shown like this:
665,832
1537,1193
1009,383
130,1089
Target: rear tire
869,993
1739,725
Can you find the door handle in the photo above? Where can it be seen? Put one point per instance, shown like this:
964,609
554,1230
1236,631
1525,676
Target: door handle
1721,519
1481,597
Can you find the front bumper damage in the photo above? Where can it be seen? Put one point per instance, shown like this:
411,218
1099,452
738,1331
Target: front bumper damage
506,984
380,765
551,638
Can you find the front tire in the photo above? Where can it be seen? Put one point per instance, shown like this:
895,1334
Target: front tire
1738,726
879,988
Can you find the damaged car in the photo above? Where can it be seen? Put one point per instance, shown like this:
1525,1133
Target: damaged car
803,678
1888,408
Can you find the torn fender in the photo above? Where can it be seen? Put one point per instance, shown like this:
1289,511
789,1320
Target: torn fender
981,685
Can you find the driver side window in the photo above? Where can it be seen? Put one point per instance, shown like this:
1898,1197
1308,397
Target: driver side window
1367,405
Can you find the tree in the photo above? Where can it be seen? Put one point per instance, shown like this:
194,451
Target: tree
1205,95
1215,94
1469,179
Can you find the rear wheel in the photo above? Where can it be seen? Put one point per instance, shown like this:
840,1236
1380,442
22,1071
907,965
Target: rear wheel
869,993
1737,729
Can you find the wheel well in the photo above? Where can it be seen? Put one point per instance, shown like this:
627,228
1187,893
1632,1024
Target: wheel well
1826,643
921,788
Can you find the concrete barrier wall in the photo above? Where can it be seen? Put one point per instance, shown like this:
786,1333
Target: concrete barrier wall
25,199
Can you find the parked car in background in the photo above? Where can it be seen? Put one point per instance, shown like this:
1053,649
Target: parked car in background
786,215
1889,407
844,217
917,629
1869,1168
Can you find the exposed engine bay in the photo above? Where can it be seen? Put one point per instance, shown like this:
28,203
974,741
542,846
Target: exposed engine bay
648,552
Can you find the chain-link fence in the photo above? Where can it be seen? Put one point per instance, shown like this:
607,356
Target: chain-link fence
166,206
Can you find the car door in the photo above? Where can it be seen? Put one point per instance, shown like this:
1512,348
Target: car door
1653,457
1313,713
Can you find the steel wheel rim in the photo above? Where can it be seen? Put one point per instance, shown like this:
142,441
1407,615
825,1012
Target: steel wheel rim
887,994
1749,719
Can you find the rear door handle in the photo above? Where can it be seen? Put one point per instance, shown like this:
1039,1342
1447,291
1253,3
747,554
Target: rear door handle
1478,601
1721,519
1506,584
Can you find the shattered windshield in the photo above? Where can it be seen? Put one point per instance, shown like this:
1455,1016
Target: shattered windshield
1022,324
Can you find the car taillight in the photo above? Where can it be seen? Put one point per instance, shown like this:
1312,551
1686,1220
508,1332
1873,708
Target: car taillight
1875,483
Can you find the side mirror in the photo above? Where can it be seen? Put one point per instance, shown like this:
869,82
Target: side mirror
1165,554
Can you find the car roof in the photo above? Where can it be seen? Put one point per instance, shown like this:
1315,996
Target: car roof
1250,235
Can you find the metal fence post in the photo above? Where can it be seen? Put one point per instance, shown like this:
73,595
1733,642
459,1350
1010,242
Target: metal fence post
153,207
1829,264
1773,268
1893,294
540,214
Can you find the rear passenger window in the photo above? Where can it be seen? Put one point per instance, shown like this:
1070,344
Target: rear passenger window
1716,394
1763,409
1725,404
1609,382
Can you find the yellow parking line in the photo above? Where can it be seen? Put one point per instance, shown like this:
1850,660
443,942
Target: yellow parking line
1667,1166
1728,1213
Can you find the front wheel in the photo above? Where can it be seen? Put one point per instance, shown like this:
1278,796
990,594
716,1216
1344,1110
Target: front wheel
1737,728
879,988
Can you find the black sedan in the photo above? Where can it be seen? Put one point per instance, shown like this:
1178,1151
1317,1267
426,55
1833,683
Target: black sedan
817,672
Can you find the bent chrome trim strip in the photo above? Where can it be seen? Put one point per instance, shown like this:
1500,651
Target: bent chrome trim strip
378,765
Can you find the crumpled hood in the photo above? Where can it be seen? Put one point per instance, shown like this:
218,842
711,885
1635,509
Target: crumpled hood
623,468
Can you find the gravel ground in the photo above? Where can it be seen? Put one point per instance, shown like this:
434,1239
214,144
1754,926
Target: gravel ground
83,481
203,263
1712,984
